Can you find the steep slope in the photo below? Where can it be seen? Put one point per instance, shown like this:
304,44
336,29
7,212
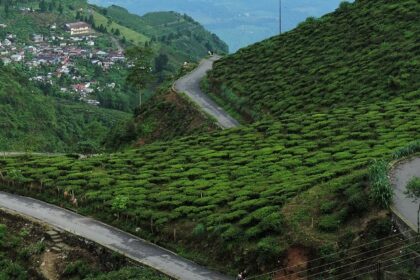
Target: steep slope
47,115
243,197
164,117
31,121
364,52
26,253
178,36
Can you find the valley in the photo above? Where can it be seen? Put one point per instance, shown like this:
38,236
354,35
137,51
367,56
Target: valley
276,160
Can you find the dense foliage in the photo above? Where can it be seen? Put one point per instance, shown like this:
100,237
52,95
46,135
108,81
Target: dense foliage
30,121
179,32
364,52
155,120
381,190
243,196
413,188
175,38
239,193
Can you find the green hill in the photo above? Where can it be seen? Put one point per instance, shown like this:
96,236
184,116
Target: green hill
178,36
42,117
166,116
364,52
31,121
242,198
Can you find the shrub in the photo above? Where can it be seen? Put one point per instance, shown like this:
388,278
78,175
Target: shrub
381,191
413,188
329,223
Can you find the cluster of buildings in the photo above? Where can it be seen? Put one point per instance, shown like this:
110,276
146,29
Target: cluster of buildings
62,53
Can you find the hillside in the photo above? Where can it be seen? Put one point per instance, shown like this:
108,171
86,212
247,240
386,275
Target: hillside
165,116
26,253
31,121
364,52
296,183
249,192
175,35
59,85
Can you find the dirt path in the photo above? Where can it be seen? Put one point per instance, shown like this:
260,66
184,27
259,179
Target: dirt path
48,265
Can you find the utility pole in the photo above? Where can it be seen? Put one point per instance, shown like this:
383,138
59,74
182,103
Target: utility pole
280,16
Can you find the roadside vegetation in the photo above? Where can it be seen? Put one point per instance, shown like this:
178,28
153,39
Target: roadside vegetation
330,97
381,190
25,253
244,194
413,188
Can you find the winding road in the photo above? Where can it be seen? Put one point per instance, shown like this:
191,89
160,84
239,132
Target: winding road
190,85
114,239
405,207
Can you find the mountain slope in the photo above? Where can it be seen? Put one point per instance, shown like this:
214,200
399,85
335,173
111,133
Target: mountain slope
249,197
179,36
364,52
31,121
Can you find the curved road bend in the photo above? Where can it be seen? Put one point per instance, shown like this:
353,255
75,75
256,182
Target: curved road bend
110,237
400,176
190,85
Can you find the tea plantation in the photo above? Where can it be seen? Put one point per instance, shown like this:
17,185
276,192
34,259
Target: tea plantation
366,51
242,195
338,93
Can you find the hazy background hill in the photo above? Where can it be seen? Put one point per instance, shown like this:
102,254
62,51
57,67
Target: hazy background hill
239,23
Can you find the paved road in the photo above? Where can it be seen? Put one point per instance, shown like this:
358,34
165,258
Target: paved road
110,237
190,85
400,176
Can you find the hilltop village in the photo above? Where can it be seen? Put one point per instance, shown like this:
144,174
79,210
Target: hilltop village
54,60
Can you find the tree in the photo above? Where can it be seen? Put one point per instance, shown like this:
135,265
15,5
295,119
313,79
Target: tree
43,6
60,9
413,191
161,61
413,188
140,61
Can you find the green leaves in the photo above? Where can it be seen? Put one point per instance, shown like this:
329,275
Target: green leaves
381,190
413,188
120,203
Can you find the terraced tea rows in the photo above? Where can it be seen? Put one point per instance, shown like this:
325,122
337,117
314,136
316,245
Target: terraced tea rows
366,51
242,194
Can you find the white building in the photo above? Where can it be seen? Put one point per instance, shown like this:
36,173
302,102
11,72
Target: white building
78,28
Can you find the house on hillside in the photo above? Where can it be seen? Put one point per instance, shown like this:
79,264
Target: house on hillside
78,28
